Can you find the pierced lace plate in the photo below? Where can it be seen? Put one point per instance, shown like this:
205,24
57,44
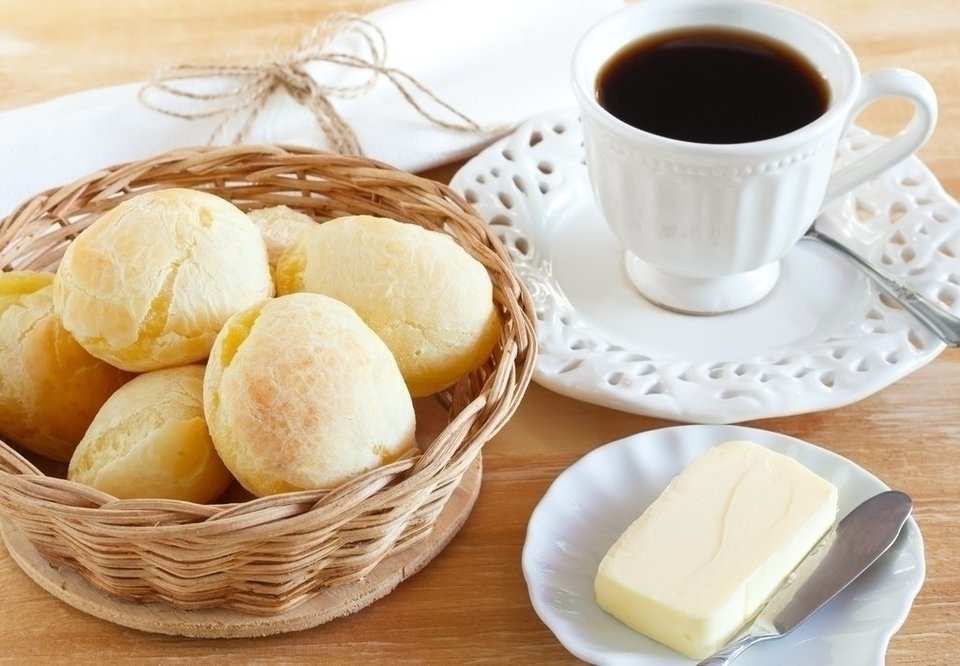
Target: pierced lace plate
825,337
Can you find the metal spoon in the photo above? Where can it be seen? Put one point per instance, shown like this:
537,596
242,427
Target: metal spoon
943,324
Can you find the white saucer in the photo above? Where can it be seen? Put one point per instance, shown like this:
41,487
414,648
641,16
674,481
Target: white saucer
825,336
591,503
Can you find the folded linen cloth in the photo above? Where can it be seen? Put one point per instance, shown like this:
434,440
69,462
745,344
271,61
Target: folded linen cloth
497,61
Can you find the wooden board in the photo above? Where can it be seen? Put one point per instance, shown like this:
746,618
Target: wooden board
72,588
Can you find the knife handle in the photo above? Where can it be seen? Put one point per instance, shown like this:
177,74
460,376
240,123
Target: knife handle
731,651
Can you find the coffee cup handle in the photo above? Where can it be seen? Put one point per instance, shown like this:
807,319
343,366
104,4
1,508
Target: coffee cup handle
888,83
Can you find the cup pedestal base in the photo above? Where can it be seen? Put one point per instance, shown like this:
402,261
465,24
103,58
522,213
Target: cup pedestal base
701,296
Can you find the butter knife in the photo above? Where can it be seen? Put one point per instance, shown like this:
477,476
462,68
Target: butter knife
858,541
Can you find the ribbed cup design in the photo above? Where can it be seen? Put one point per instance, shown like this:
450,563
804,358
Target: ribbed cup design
691,218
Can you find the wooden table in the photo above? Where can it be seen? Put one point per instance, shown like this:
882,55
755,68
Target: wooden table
471,603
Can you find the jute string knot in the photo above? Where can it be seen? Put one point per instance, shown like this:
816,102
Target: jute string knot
249,87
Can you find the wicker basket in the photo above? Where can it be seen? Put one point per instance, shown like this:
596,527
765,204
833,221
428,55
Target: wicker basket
269,555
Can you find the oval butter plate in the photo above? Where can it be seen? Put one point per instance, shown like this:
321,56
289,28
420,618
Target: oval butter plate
591,503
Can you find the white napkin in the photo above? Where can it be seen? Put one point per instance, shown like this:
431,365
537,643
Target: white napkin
497,61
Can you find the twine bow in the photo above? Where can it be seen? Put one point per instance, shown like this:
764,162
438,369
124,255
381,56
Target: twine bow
253,85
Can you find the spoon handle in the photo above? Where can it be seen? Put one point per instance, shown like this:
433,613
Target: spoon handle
944,324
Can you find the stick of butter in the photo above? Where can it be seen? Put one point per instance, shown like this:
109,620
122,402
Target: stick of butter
706,555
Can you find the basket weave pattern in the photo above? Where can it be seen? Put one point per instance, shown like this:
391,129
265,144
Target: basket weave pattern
269,555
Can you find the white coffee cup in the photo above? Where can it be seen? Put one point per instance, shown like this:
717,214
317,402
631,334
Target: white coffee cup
705,225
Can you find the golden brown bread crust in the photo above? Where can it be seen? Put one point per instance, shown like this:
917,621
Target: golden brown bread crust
424,295
301,394
150,440
50,387
150,283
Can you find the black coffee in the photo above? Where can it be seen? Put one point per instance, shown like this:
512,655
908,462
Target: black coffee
712,85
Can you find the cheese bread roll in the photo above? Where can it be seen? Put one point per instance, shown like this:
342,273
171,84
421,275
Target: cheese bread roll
281,227
301,394
150,440
430,301
50,387
150,283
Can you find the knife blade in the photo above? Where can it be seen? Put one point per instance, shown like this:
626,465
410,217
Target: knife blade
858,540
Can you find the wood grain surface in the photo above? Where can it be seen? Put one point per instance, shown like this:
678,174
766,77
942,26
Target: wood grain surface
470,604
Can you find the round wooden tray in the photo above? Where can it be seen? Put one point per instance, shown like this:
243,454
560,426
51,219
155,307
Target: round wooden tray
159,618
